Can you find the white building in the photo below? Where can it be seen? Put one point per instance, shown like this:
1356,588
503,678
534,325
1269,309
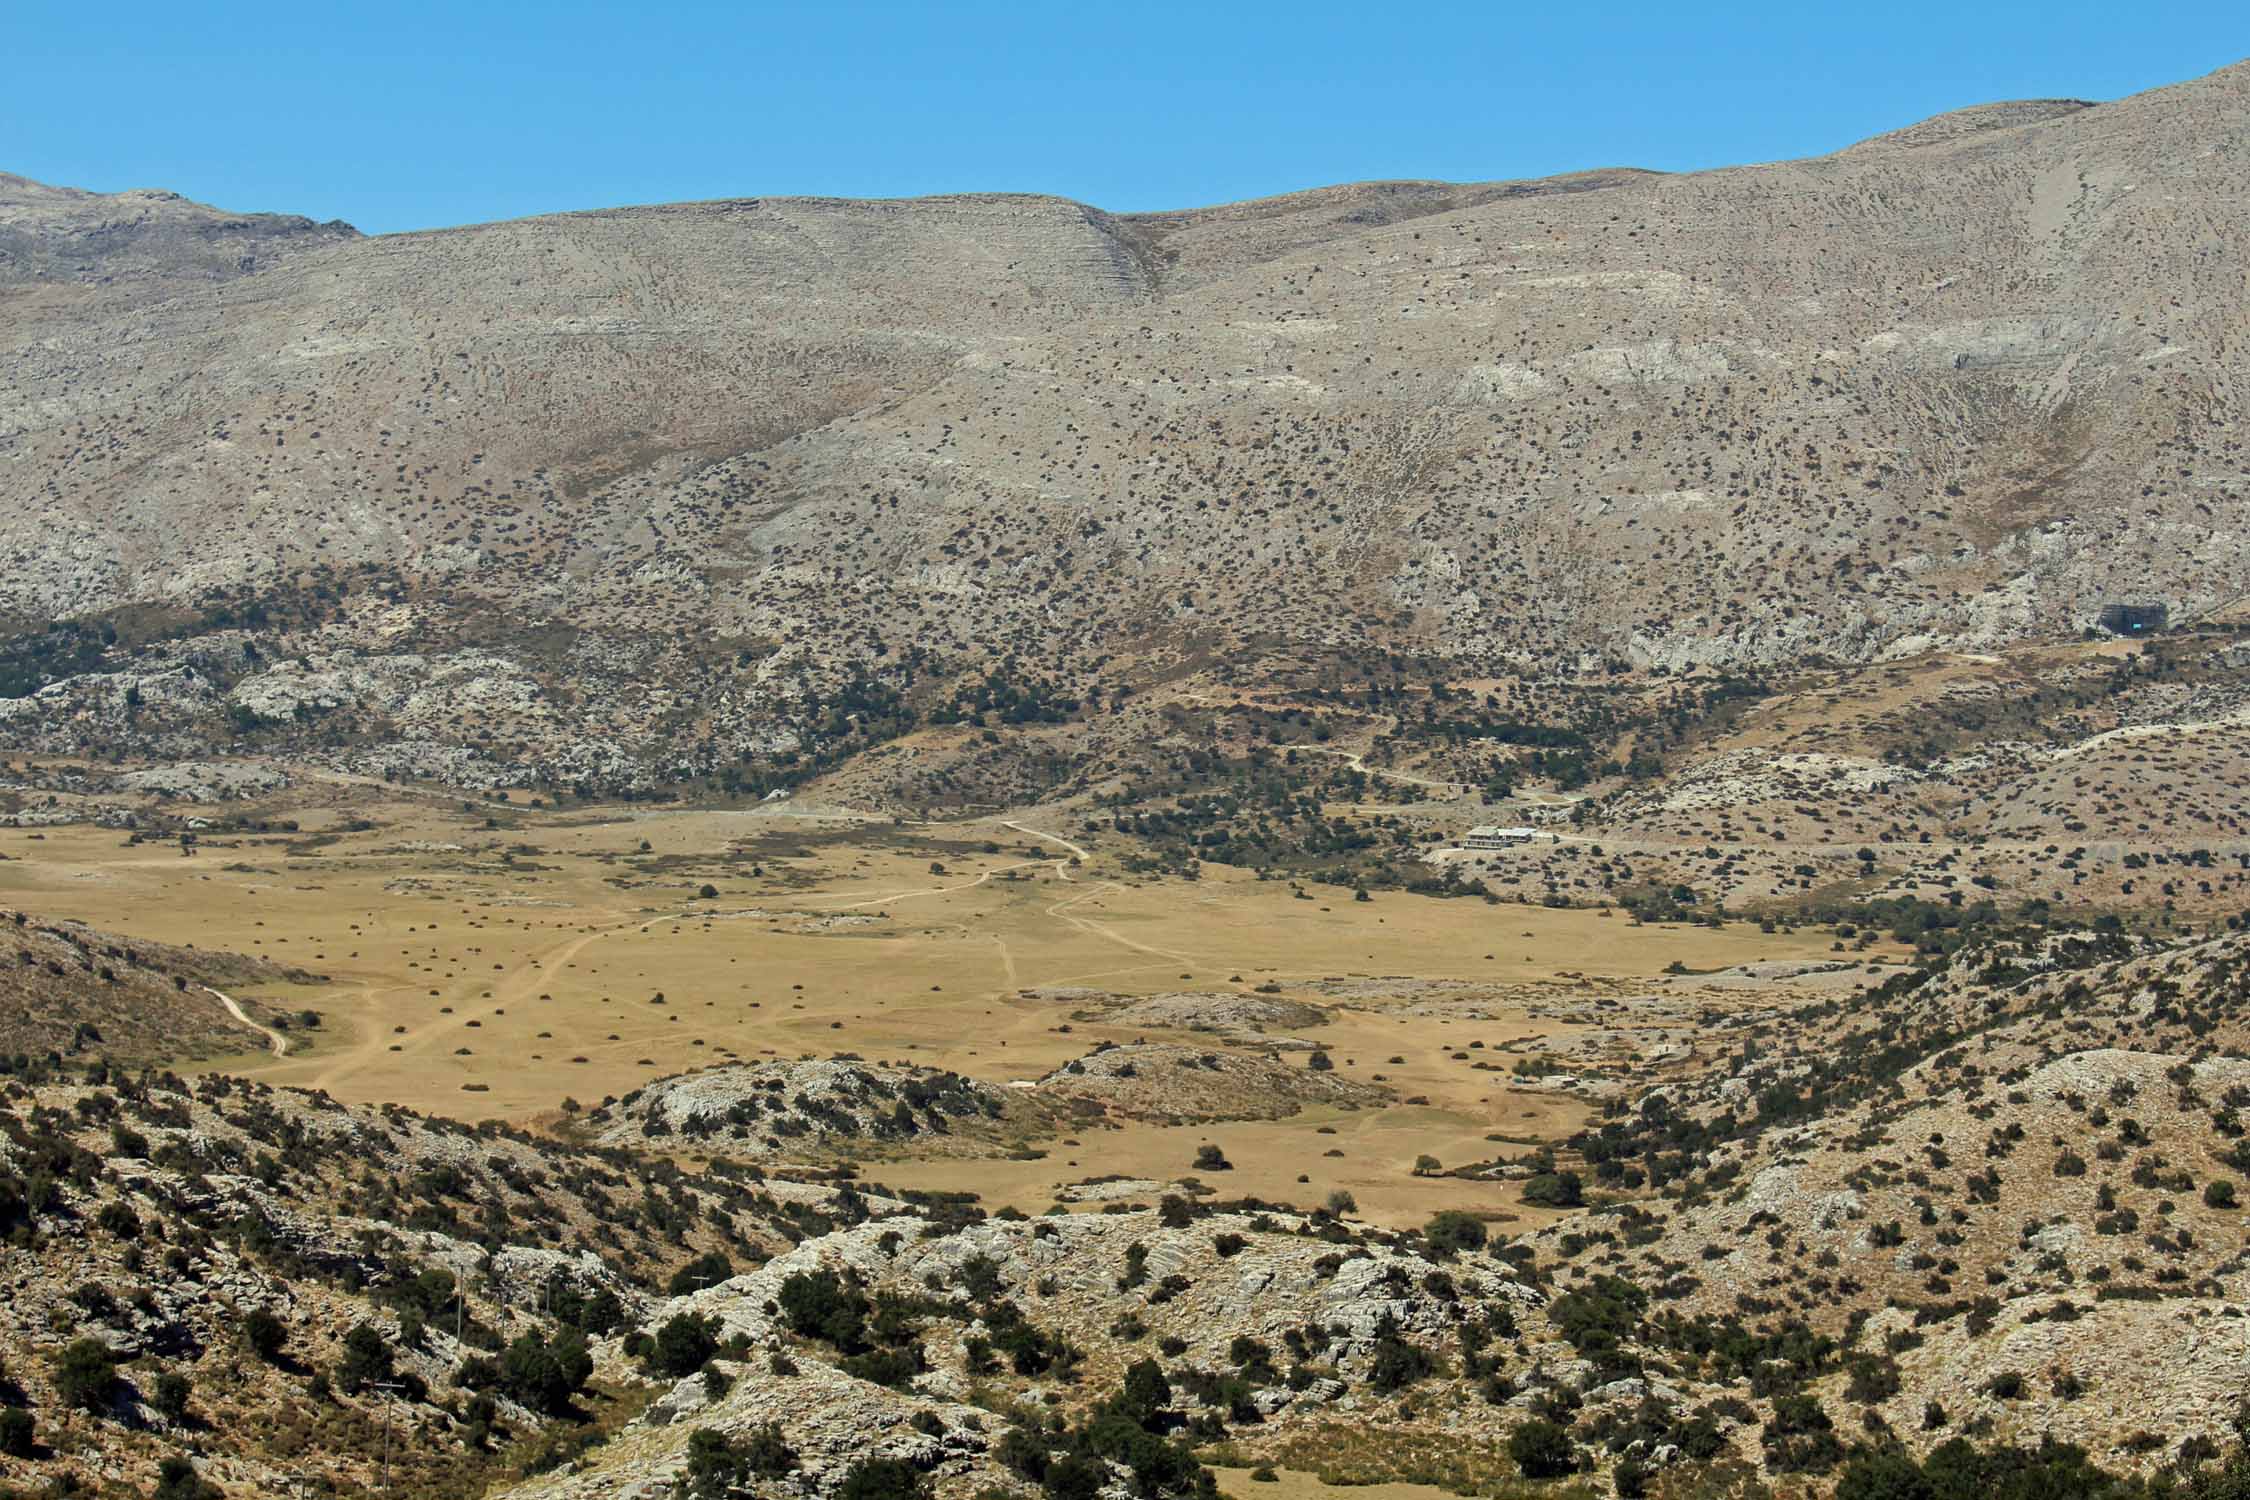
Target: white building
1498,838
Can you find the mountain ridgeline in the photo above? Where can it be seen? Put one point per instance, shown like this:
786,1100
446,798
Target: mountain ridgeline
620,497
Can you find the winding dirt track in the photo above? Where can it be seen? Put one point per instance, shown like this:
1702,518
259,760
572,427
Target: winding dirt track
1053,838
274,1039
1359,763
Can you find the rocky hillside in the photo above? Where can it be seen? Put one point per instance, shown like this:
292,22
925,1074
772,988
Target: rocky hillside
69,989
738,488
263,1281
1987,1190
136,245
793,1110
1980,1218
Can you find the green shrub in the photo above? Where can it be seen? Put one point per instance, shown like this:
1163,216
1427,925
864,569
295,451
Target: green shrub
367,1360
1555,1190
1453,1232
545,1376
1885,1475
718,1468
1874,1378
820,1305
1075,1477
1022,1454
86,1375
682,1345
176,1479
882,1479
171,1393
263,1334
1542,1450
1959,1470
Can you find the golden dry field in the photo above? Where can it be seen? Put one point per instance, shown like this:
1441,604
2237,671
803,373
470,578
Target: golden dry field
494,971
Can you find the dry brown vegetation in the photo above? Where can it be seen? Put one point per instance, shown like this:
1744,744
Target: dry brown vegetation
908,763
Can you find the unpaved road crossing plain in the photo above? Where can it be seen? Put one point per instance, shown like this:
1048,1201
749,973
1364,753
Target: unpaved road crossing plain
497,971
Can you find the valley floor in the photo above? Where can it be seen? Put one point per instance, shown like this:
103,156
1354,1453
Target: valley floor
495,972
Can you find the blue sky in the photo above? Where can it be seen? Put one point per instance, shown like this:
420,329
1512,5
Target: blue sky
409,115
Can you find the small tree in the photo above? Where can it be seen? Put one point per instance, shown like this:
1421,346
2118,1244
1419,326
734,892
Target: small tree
171,1394
176,1479
1022,1453
682,1345
1397,1364
699,1273
1076,1477
821,1305
263,1334
1147,1392
980,1277
882,1479
1455,1233
367,1360
1885,1474
542,1375
714,1469
19,1438
86,1375
1555,1190
766,1454
1542,1450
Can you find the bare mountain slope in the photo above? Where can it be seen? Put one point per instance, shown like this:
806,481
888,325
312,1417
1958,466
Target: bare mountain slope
409,398
1198,245
1957,386
146,236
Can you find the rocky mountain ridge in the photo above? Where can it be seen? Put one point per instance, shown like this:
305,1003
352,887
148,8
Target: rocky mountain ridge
648,492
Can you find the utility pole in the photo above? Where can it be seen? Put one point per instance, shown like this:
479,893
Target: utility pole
382,1388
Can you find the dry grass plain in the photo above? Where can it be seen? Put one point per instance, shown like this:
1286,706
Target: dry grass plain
1296,1484
491,972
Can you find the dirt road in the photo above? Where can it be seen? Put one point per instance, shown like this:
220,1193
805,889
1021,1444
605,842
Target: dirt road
274,1039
